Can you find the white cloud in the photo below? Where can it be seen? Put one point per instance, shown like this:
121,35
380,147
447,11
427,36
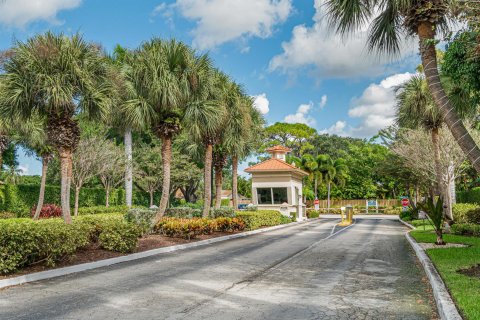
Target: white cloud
302,115
323,102
220,21
331,55
375,108
338,129
19,13
261,103
23,169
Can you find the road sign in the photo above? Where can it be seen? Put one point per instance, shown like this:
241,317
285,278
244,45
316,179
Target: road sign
405,202
316,202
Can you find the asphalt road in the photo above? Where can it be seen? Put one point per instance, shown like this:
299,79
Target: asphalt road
305,271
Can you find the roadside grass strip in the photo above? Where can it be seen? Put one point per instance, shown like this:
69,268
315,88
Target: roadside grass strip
465,290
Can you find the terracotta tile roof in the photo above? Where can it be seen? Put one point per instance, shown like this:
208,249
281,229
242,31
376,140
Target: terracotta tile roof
274,165
279,148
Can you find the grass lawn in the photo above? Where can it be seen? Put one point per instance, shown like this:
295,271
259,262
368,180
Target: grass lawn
465,290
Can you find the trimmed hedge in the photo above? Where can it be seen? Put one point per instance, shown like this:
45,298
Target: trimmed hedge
469,196
24,242
183,212
312,213
466,229
102,210
261,218
222,212
466,213
191,228
141,217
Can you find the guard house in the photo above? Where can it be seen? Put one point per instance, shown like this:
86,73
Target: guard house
277,185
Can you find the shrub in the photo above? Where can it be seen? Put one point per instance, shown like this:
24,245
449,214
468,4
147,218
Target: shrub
47,211
311,213
406,215
7,215
102,209
222,212
469,196
251,207
141,217
293,216
183,212
191,228
466,229
225,202
111,231
285,219
262,218
119,236
392,211
225,224
466,213
24,242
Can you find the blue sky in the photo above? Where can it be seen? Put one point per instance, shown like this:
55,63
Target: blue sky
282,51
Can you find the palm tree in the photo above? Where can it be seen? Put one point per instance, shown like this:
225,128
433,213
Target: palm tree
243,137
392,21
331,172
57,77
119,120
165,76
311,165
33,137
416,109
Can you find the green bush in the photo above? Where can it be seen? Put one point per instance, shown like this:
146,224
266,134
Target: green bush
225,202
293,216
7,215
466,229
469,196
285,219
466,213
24,242
191,228
407,215
261,218
392,211
102,209
311,213
141,217
222,212
252,207
119,236
183,212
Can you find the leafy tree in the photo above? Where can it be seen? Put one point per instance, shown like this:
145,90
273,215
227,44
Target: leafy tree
148,169
391,20
292,135
43,76
111,171
186,175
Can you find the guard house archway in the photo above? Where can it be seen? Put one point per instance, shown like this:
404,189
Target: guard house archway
277,185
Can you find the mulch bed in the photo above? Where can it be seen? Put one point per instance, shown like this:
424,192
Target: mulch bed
473,271
93,252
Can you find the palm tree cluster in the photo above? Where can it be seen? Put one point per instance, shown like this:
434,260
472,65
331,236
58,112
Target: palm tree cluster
163,87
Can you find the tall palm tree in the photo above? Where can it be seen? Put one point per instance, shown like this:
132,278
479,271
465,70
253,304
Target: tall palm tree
165,76
57,77
392,21
119,120
416,109
311,165
331,172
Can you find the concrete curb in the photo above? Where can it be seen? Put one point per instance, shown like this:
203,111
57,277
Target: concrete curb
445,305
43,275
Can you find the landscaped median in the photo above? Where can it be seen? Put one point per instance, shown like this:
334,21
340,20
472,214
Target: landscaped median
28,246
459,267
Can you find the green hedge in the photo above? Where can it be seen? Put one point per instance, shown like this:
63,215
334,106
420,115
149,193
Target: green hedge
311,213
469,196
102,209
261,218
21,198
466,229
466,213
24,242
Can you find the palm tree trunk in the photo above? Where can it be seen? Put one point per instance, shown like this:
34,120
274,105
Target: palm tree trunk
235,182
316,188
151,197
439,234
218,186
328,198
128,167
207,181
436,156
43,181
426,33
77,196
65,160
166,159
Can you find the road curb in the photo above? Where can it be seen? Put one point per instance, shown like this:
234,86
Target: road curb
445,305
43,275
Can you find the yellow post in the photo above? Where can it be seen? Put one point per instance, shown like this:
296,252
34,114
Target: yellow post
347,216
